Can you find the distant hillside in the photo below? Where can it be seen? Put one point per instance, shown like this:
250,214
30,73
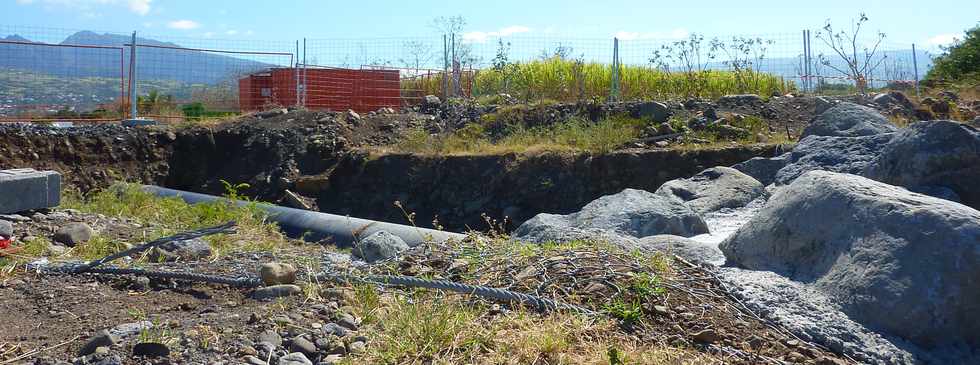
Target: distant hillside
153,63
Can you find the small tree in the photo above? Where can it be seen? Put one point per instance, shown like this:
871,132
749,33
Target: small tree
959,61
845,45
419,54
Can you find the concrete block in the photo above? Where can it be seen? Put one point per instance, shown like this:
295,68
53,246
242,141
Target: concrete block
28,189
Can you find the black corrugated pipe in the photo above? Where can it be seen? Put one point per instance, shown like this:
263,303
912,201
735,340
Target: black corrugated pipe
314,226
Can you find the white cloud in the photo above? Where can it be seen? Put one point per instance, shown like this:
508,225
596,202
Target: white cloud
672,34
481,37
141,7
208,34
943,39
231,32
183,24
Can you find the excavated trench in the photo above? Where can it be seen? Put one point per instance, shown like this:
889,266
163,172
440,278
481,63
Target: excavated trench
316,162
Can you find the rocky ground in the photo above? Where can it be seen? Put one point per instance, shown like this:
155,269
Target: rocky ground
92,319
754,263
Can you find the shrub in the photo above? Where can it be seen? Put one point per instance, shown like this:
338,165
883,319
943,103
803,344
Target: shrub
960,61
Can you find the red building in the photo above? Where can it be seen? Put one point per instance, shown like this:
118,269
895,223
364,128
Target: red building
326,88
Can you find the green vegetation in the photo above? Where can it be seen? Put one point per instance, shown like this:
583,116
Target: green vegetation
198,112
172,215
572,80
575,134
960,62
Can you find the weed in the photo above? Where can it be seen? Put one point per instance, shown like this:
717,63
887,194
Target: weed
628,311
366,301
646,284
171,215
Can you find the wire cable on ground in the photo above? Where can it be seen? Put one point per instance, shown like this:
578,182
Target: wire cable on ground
223,228
537,302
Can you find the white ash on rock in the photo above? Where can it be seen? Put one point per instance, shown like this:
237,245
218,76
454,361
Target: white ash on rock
875,250
714,189
631,213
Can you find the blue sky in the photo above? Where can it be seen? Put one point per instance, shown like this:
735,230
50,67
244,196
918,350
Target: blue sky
927,23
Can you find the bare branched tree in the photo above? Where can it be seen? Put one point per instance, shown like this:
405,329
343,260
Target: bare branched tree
419,54
845,45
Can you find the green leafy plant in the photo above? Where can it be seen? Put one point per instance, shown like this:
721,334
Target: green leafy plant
960,61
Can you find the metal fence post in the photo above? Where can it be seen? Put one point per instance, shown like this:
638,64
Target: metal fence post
445,67
614,77
296,72
132,79
806,63
305,81
915,69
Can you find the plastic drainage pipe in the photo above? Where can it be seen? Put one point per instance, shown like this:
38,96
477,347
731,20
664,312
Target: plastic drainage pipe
315,226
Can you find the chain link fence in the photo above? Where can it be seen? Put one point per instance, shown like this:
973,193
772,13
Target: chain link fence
49,73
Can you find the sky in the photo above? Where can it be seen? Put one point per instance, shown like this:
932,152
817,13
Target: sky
927,23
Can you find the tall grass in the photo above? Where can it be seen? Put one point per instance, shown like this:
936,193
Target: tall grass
569,80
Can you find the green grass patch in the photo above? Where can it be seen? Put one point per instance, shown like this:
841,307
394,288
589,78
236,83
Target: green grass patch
167,216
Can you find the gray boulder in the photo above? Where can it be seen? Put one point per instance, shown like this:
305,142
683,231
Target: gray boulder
849,120
713,189
821,104
72,234
633,213
686,248
186,250
742,99
544,228
296,358
900,262
937,153
379,246
6,229
937,191
652,110
763,169
838,154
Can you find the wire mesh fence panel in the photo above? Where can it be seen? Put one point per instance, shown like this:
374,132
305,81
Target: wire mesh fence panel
174,82
879,62
180,78
41,81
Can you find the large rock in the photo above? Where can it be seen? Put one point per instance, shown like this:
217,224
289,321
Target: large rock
655,111
934,153
849,120
379,246
686,248
6,229
72,234
838,154
763,169
713,189
633,213
904,263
